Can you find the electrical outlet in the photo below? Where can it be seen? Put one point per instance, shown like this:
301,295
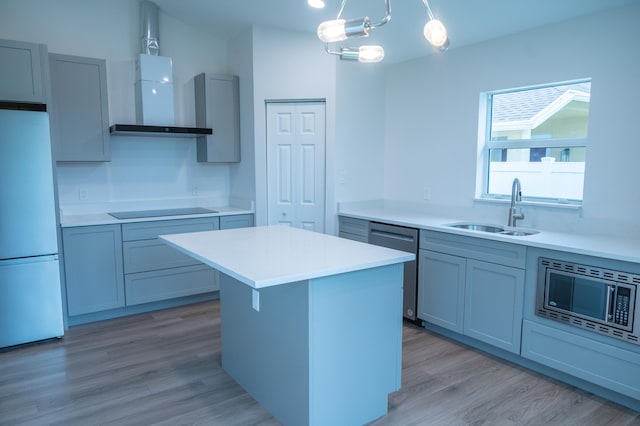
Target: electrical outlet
194,190
426,193
83,194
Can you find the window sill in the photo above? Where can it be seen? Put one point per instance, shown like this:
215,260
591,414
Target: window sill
544,204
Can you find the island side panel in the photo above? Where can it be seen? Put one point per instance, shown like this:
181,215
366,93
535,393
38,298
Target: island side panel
355,326
267,352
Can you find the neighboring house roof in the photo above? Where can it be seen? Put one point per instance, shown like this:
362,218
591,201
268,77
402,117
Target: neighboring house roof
528,109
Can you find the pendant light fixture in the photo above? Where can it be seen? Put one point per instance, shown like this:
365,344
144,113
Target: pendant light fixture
434,30
341,29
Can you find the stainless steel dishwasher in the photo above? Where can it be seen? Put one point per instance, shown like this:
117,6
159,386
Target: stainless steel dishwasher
405,239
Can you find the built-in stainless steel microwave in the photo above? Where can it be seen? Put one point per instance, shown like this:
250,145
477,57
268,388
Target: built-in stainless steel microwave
596,299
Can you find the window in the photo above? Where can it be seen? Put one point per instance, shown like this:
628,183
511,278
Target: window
538,135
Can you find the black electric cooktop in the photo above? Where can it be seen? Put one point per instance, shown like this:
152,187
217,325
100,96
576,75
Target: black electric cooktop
162,212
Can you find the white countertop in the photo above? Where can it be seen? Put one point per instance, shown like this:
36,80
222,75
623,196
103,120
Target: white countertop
618,248
71,220
272,255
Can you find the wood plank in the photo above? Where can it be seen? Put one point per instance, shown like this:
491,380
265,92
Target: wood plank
164,368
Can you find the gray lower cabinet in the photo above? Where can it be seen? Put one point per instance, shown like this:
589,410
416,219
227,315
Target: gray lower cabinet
80,109
155,271
217,105
441,289
124,266
493,303
608,366
353,229
473,287
93,268
22,71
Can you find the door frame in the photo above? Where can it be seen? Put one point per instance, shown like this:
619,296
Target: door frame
325,195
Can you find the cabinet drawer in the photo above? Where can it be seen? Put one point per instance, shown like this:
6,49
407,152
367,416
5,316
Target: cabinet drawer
353,237
474,248
150,255
145,287
359,227
149,230
605,365
236,221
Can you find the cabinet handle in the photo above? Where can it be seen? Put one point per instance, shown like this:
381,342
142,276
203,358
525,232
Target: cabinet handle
609,303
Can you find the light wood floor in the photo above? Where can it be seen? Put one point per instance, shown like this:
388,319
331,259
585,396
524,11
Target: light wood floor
164,368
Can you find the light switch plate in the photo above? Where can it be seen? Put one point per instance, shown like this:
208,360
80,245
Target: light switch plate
255,300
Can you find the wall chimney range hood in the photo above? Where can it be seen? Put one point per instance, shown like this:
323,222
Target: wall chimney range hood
154,87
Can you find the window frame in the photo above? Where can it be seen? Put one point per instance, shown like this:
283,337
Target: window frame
486,144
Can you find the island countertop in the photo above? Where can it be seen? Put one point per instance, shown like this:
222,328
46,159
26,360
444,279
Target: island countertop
271,255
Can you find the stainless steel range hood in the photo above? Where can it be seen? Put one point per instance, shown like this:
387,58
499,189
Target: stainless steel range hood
166,131
154,87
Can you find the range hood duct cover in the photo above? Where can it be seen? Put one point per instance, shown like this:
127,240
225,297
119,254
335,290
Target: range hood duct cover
150,28
154,87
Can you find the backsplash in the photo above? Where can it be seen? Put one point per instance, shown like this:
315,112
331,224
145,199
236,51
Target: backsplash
143,169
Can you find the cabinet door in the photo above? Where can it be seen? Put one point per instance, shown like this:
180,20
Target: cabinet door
441,284
94,275
493,304
21,72
218,106
80,111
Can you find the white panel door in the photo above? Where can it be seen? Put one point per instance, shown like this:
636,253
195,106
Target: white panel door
296,164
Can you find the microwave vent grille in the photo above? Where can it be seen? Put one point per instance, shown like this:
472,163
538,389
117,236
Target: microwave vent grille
606,274
588,325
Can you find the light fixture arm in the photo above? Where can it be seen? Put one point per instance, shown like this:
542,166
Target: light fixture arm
386,18
344,3
429,12
369,25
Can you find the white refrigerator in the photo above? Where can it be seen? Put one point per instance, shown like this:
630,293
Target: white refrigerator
30,294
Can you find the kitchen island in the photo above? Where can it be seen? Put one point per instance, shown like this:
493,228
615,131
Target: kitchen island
311,324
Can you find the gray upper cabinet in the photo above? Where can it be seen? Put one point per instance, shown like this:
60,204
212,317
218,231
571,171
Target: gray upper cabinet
218,107
21,71
80,110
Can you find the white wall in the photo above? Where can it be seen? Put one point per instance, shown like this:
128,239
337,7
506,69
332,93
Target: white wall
359,131
140,169
242,174
432,118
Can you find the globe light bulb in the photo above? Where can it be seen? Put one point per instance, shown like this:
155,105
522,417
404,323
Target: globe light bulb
370,54
435,32
332,31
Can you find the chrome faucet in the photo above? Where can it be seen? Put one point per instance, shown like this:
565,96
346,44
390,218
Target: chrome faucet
516,196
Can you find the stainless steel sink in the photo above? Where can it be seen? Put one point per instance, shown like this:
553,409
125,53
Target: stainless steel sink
477,227
518,233
492,229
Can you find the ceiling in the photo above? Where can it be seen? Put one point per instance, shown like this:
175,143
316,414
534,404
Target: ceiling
467,21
